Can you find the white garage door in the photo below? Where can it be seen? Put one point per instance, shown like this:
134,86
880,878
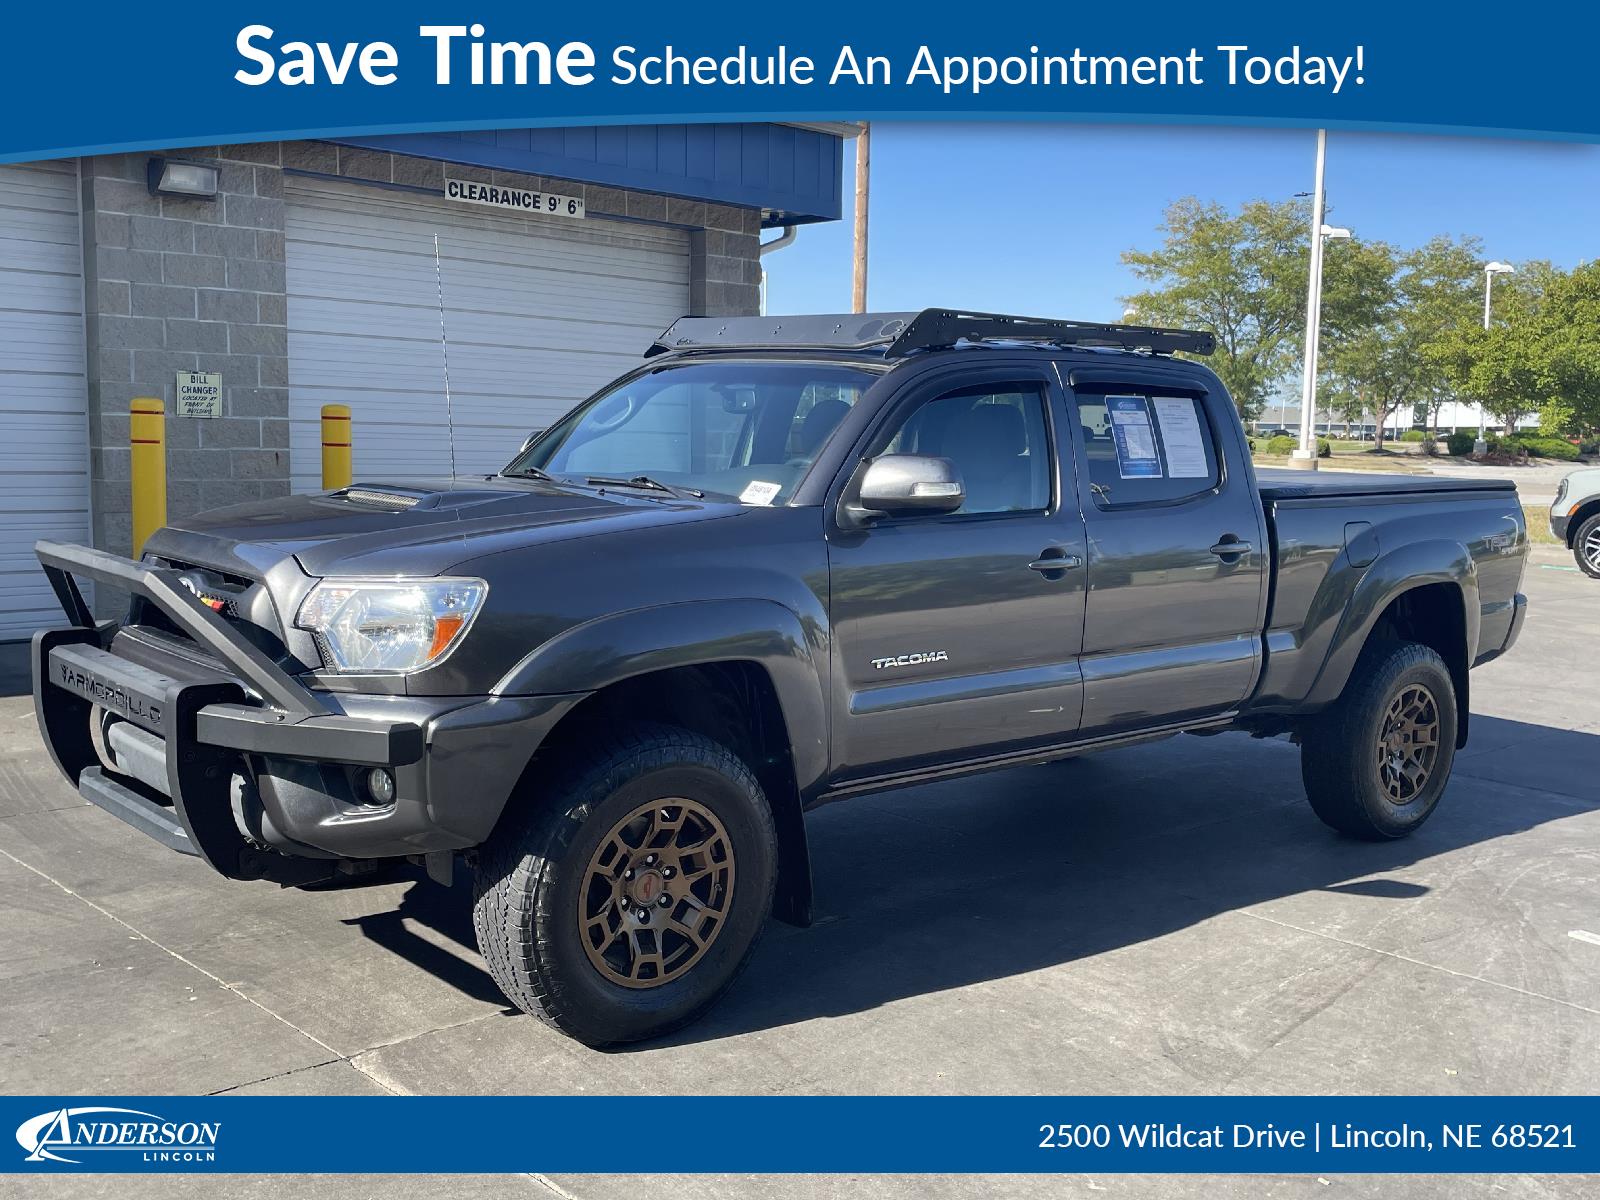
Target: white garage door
516,319
44,446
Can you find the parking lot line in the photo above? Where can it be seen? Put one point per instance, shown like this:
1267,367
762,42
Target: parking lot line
1522,991
220,982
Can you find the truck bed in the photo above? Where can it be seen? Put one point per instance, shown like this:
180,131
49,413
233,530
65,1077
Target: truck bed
1280,483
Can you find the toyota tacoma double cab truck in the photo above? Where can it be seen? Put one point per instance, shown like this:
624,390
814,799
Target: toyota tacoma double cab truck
783,561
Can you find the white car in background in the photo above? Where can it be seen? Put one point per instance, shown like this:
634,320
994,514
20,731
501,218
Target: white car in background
1575,517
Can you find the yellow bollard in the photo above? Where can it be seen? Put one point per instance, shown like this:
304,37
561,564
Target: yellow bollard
335,446
147,470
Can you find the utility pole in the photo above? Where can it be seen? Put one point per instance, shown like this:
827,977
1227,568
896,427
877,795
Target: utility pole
1306,456
863,187
1490,270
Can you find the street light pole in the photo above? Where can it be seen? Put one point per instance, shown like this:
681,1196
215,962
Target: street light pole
858,290
1490,270
1306,456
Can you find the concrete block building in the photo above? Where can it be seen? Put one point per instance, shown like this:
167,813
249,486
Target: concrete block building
476,284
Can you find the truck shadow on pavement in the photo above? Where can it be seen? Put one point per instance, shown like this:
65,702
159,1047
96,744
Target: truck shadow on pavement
953,884
445,911
946,886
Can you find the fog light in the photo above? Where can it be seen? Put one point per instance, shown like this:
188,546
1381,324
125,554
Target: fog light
380,785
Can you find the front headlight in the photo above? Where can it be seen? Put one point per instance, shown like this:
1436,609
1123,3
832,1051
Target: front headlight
389,626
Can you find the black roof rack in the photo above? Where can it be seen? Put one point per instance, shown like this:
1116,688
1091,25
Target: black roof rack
898,334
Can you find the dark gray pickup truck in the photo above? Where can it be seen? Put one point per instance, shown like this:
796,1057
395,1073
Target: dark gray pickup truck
784,561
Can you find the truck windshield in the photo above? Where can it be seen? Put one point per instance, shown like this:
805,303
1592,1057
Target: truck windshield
741,429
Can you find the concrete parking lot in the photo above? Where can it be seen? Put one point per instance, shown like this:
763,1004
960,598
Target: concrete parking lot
1171,919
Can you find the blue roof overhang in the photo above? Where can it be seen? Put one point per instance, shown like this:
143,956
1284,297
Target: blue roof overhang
793,175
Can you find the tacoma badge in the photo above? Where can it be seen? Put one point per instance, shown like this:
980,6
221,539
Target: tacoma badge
911,660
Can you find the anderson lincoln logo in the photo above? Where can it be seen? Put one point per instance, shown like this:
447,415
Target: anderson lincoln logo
71,1135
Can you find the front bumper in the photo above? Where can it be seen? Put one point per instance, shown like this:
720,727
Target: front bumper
1558,526
227,756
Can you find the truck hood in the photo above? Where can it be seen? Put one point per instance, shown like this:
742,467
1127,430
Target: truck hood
411,528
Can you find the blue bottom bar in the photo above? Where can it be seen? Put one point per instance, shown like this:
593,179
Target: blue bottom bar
939,1135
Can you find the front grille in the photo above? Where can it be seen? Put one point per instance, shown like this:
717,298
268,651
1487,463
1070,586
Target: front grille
244,604
232,592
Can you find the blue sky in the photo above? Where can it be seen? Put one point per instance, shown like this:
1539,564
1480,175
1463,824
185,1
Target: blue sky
1032,218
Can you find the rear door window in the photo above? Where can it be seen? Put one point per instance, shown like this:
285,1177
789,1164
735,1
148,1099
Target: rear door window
1141,446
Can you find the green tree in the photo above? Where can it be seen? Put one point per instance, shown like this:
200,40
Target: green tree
1240,275
1364,350
1440,287
1388,308
1541,354
1342,400
1569,318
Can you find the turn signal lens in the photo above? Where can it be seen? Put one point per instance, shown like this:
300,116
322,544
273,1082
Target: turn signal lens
445,629
390,626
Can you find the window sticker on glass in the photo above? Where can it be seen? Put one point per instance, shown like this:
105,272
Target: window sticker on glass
760,493
1181,438
1135,440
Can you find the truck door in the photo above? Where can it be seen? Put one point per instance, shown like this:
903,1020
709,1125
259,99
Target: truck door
958,631
1177,553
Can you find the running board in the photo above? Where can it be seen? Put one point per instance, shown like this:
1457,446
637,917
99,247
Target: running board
1018,758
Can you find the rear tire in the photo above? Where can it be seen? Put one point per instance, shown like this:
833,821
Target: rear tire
623,898
1376,762
1586,547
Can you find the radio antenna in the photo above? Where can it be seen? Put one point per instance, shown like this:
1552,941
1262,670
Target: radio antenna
444,350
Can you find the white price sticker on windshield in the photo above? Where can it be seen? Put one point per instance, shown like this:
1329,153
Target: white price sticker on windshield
760,493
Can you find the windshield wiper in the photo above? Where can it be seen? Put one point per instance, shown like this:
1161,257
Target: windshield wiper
644,481
529,473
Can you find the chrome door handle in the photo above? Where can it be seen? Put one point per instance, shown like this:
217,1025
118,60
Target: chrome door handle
1065,563
1231,549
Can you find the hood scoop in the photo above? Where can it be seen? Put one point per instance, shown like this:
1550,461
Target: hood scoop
389,501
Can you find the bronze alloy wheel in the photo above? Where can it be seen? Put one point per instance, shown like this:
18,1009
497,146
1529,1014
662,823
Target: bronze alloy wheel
1408,746
656,892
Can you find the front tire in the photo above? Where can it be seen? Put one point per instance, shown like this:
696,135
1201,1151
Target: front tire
1586,547
622,900
1376,762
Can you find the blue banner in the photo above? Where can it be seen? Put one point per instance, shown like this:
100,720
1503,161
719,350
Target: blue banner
143,77
1271,1134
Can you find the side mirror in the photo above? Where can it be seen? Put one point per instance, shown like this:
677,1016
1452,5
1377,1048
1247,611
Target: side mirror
907,484
530,439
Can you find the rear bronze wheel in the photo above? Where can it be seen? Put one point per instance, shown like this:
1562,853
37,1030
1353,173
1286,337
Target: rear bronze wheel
1408,744
626,891
1376,761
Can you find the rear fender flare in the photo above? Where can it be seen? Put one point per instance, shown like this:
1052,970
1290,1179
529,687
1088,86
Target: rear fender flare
1390,576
